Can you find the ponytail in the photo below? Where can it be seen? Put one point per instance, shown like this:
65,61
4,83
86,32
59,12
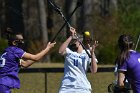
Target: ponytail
125,43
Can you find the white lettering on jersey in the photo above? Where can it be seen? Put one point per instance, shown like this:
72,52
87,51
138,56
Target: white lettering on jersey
2,60
139,60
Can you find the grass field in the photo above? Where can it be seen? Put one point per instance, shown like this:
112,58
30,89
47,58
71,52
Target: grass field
35,82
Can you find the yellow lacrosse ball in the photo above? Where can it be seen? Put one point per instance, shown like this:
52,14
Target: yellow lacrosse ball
87,33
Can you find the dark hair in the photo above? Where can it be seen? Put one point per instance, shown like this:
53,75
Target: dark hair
72,45
125,43
10,35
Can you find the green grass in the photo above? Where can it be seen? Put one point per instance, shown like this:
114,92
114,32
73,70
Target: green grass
35,82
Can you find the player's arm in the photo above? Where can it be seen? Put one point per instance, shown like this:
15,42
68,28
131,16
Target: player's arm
121,77
62,49
93,58
93,64
39,55
26,63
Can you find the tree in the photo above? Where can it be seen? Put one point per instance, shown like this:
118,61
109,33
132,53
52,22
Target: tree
14,15
69,7
85,16
50,23
1,16
43,24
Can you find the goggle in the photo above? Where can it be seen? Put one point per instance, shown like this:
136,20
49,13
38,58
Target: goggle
20,40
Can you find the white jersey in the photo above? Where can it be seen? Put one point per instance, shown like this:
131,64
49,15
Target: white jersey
75,69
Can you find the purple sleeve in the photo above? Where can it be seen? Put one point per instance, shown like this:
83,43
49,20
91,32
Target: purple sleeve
123,67
19,53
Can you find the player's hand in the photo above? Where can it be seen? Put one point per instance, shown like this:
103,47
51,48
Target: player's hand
50,45
73,31
92,48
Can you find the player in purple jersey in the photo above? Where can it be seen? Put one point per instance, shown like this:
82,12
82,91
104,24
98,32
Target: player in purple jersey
128,63
12,58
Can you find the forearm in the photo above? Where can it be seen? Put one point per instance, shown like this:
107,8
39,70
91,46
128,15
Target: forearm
37,56
26,63
65,45
121,77
93,64
41,54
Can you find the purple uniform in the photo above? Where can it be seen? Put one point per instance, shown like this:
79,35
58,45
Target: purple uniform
9,67
132,68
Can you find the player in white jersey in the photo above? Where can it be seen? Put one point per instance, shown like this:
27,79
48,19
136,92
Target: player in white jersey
76,66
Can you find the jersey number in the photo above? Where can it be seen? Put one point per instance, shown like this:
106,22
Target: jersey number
75,62
2,62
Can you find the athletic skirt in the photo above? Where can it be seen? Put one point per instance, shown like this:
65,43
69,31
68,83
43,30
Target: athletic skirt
4,89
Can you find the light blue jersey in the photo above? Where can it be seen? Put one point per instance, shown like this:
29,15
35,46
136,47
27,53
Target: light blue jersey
76,66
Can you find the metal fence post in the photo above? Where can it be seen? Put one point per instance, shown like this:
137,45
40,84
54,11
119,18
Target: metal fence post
46,83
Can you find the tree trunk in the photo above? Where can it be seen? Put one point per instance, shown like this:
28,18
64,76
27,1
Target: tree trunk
1,16
14,15
85,17
87,12
69,7
114,4
50,23
43,24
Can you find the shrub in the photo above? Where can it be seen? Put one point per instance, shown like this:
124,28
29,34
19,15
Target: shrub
107,55
3,44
